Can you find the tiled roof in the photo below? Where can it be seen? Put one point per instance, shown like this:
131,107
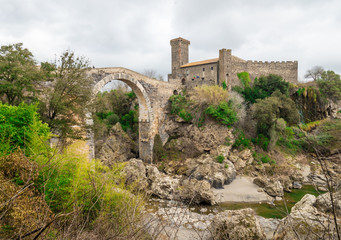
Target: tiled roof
214,60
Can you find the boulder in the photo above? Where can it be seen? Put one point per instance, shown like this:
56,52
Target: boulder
305,222
286,183
297,185
241,159
260,182
208,169
152,173
165,187
198,192
236,224
274,189
135,173
118,147
324,204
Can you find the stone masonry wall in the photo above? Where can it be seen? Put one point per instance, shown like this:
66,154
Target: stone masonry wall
288,70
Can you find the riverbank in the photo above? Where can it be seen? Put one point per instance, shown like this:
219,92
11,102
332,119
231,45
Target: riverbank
242,189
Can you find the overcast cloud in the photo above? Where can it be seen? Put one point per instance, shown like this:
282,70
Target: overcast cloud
135,34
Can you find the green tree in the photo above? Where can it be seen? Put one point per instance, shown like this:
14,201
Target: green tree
64,104
267,111
330,85
18,73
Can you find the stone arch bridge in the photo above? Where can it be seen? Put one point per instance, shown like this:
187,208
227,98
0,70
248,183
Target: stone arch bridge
152,96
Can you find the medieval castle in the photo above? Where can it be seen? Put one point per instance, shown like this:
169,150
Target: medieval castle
222,69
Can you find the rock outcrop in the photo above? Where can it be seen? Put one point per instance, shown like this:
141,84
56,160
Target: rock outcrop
324,204
241,159
195,191
272,187
208,169
135,173
157,184
193,141
306,222
236,224
118,147
165,187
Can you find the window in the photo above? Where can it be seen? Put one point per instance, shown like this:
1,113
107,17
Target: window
203,69
202,79
211,68
183,81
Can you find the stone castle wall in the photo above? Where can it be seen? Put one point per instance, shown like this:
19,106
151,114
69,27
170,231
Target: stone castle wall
224,69
288,70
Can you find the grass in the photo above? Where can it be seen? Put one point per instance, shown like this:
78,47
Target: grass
278,211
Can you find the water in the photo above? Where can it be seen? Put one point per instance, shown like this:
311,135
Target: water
280,208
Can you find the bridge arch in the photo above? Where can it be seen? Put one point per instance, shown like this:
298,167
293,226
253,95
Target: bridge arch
146,114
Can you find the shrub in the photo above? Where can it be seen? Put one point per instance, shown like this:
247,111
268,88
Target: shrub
220,158
223,113
244,77
112,120
262,141
263,158
208,95
180,106
262,87
20,127
242,142
130,121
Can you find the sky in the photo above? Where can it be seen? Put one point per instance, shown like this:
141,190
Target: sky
136,34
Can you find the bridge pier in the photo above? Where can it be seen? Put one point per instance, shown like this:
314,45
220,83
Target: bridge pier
146,142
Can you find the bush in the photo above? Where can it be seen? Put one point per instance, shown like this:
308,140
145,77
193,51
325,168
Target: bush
262,141
262,87
208,95
242,142
220,158
20,127
263,158
180,106
130,121
112,120
223,113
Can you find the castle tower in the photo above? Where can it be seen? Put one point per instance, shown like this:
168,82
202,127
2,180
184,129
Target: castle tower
179,54
225,68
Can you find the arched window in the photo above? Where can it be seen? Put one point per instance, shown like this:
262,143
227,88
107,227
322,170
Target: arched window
183,81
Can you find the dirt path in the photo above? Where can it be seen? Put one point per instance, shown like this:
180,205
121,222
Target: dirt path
242,189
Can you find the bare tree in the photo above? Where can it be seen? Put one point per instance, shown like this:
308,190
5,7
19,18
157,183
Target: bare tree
314,73
152,74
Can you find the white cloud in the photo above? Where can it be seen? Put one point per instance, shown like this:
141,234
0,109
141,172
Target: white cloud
135,34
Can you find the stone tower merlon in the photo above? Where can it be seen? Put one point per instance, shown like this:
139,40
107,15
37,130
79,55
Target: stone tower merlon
179,54
225,59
